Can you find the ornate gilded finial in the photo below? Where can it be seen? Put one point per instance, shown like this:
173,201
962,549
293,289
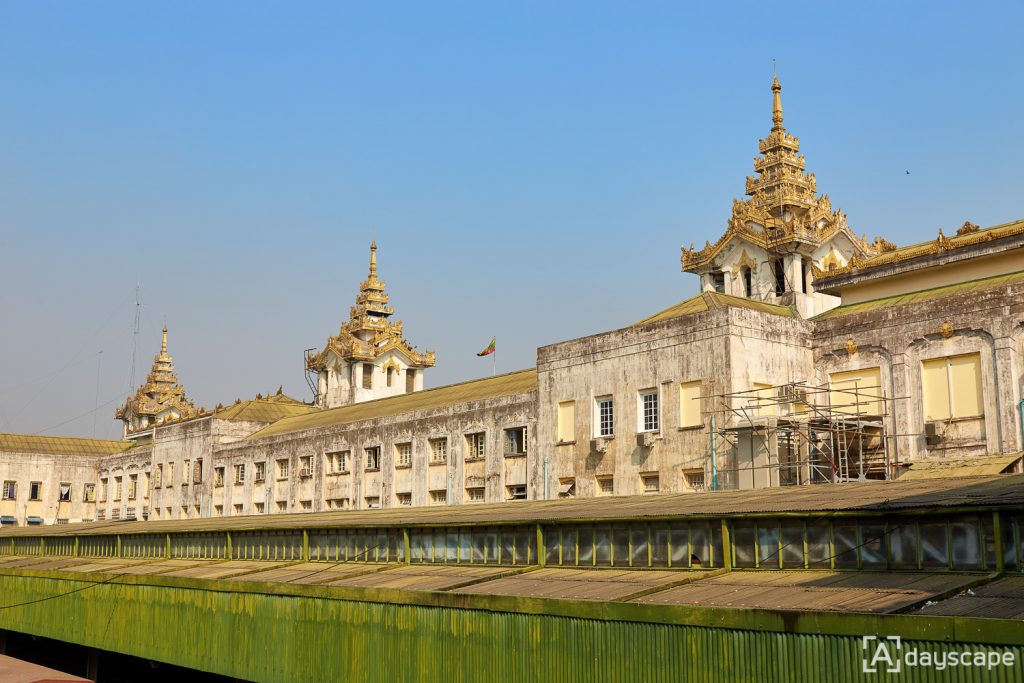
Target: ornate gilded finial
163,344
776,103
373,258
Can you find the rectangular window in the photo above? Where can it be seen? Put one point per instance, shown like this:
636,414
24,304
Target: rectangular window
306,466
403,454
64,492
649,416
281,505
238,508
261,472
439,450
197,471
476,446
515,493
133,486
856,392
952,387
404,498
718,282
117,488
372,502
185,472
218,477
305,505
566,421
689,404
367,376
390,375
605,486
260,507
372,459
651,482
282,468
779,270
103,490
240,472
438,497
218,510
604,409
158,477
515,441
337,462
410,381
170,474
89,494
694,480
475,494
10,488
35,490
761,402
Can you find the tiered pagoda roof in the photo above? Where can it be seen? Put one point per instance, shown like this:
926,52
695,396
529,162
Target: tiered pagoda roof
161,397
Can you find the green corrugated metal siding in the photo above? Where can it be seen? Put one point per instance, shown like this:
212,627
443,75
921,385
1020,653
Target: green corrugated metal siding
263,637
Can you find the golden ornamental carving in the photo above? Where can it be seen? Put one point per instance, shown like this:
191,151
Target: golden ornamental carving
967,228
160,399
368,334
946,329
782,208
851,346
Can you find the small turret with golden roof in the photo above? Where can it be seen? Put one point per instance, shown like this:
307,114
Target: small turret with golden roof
368,355
159,400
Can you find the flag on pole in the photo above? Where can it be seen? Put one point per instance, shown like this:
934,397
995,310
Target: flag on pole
490,348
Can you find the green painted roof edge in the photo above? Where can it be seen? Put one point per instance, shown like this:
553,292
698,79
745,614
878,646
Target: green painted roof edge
936,292
715,301
290,425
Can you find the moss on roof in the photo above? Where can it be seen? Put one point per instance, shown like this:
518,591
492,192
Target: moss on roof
269,409
475,390
708,301
923,295
61,445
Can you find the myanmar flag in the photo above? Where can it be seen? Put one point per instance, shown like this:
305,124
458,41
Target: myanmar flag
490,348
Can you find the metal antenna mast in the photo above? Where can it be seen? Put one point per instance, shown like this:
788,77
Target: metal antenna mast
135,341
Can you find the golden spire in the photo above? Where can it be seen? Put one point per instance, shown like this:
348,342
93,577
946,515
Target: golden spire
776,103
373,258
163,344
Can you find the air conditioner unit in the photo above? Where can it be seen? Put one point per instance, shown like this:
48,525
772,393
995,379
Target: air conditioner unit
600,444
792,393
645,439
933,433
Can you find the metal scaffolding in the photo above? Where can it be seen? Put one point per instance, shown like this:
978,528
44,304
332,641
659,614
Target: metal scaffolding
796,433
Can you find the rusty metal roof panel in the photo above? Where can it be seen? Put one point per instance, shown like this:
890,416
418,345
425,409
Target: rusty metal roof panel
878,592
875,496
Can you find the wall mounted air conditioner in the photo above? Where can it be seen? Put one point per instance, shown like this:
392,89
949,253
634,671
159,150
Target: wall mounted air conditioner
645,439
600,444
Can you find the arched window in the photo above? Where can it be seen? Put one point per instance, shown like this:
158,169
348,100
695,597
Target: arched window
748,281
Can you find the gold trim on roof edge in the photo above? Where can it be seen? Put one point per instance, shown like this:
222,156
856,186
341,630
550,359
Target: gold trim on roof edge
369,316
783,207
968,235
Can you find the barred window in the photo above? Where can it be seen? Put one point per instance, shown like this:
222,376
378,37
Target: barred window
439,450
404,453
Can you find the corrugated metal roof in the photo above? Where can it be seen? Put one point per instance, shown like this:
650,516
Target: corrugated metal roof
829,591
707,301
19,671
475,390
582,584
923,295
967,467
269,409
871,496
61,445
1001,599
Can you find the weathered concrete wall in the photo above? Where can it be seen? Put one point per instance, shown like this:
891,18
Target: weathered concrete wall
898,339
51,471
726,350
351,489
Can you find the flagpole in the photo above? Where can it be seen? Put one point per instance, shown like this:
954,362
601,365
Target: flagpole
494,359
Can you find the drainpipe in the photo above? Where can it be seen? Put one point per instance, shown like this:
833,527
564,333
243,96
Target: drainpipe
1021,407
714,456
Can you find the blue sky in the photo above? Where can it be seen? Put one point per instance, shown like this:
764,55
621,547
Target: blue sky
529,170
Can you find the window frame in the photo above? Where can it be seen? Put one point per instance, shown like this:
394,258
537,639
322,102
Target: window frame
644,420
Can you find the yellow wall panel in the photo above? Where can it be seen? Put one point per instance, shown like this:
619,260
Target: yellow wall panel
965,380
689,404
935,386
567,421
856,391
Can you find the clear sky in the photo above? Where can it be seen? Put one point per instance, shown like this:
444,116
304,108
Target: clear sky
529,170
